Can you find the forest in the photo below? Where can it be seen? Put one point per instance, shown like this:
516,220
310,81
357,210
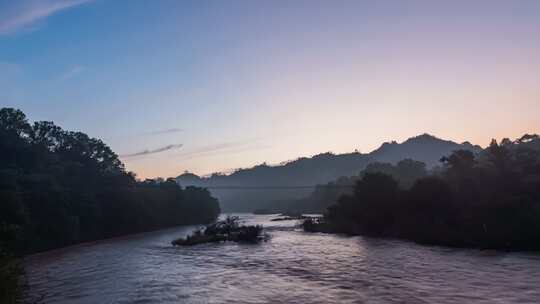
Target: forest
405,172
489,199
60,187
319,169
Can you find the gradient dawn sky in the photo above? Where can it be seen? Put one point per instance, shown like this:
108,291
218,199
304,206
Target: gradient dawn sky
214,85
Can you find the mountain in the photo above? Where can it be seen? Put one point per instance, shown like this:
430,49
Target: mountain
286,182
425,148
264,185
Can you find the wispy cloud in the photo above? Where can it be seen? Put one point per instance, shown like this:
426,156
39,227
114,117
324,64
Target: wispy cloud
145,134
23,14
212,148
223,148
154,151
165,131
72,72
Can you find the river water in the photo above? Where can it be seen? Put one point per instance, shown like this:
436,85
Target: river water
292,267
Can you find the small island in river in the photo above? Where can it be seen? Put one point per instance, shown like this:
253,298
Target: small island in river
229,229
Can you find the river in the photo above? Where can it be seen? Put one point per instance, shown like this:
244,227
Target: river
291,267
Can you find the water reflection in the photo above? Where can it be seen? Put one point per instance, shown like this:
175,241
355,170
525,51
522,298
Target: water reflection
293,267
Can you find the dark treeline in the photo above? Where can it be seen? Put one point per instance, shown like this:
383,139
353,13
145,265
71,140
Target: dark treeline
300,172
405,172
59,187
319,169
487,200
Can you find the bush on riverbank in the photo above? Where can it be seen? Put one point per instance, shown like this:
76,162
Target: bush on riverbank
228,229
491,200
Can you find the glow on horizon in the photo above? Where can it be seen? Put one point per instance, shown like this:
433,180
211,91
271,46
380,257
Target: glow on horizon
242,83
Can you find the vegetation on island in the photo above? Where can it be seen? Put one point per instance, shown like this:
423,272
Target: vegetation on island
60,187
289,216
229,229
486,200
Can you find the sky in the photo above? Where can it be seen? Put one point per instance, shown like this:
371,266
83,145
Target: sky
210,86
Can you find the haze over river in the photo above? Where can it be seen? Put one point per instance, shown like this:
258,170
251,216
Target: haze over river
292,267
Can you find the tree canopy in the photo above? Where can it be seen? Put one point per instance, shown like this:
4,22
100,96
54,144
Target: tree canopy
489,200
61,187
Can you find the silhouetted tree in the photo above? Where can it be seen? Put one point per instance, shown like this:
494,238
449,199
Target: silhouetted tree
406,172
489,200
59,187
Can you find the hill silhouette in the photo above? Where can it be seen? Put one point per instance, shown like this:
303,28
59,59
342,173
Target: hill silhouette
425,148
484,200
308,171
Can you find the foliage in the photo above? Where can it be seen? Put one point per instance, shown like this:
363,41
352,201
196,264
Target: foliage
488,200
316,170
229,229
59,187
405,172
10,270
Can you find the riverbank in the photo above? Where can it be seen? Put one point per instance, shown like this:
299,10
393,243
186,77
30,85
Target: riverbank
10,271
291,267
460,238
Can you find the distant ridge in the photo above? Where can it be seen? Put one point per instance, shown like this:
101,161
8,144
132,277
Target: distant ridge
319,169
425,148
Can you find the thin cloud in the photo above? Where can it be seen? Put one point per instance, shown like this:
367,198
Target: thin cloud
22,14
223,148
72,72
166,131
212,148
147,133
154,151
